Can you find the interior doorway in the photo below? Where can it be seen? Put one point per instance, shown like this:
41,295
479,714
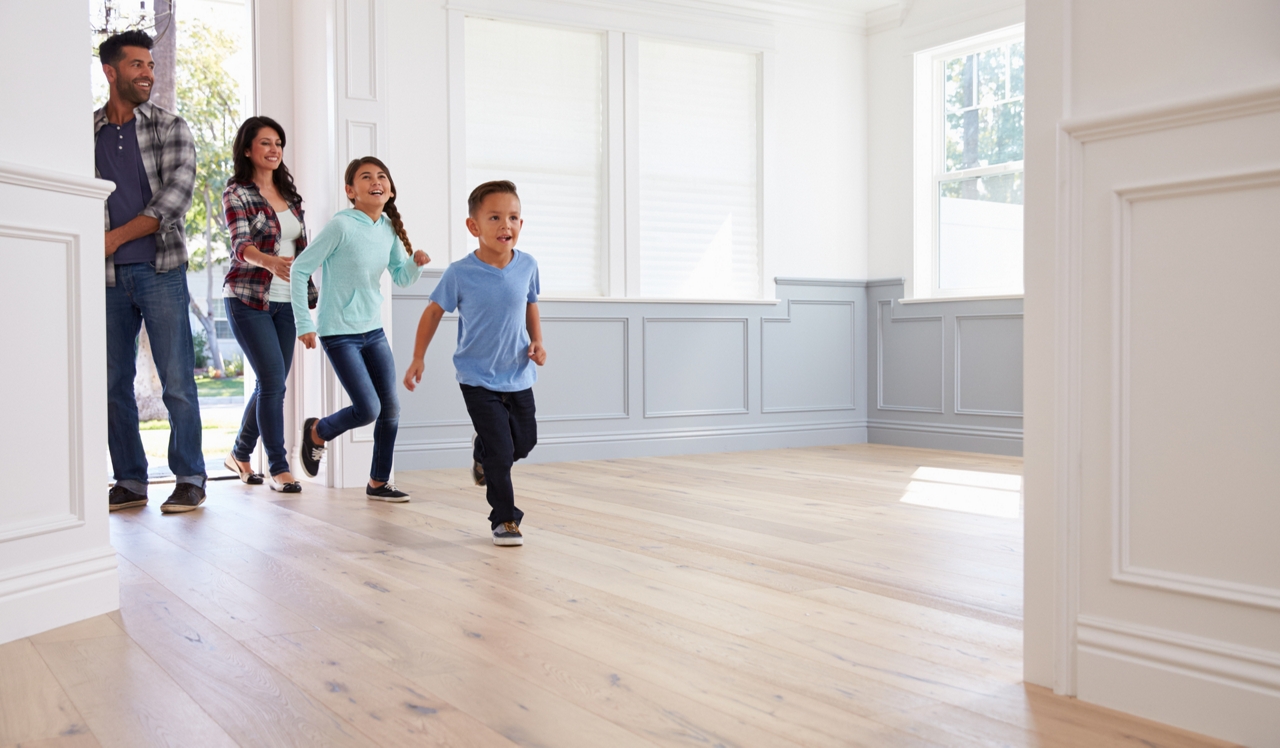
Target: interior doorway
204,72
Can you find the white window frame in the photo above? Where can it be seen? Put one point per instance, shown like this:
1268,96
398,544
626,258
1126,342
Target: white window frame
929,167
622,30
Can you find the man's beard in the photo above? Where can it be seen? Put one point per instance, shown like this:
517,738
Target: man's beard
132,93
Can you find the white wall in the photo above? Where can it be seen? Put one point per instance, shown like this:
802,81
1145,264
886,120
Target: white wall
1152,182
892,44
821,109
56,563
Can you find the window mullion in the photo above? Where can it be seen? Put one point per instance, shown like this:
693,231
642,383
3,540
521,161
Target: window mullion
631,157
615,275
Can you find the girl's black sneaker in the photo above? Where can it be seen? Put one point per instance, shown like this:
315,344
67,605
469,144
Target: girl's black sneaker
309,451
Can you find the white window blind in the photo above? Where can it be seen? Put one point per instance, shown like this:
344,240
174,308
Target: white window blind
699,172
535,116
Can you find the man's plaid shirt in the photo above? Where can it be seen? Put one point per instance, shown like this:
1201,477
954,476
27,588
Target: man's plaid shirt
169,158
252,221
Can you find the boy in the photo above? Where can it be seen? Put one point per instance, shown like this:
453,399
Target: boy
495,290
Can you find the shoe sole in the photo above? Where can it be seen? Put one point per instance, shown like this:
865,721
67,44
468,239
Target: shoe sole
389,499
508,542
128,505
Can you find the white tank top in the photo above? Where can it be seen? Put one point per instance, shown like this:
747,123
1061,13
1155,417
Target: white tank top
290,229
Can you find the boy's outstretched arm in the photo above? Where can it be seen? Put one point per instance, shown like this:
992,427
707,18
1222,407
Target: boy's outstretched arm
533,321
426,331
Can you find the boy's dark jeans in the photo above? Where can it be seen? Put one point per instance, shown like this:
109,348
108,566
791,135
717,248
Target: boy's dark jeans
506,431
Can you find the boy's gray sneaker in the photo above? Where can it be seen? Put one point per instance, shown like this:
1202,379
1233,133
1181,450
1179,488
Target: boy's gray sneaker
507,533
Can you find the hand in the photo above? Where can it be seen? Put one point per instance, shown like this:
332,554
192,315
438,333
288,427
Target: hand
110,244
308,339
413,375
421,258
537,353
279,267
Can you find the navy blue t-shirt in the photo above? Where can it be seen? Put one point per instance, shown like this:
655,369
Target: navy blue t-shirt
119,160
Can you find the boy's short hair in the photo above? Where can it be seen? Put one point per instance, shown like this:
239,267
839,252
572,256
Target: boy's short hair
111,51
489,188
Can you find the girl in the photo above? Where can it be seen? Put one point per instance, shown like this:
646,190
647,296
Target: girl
265,220
354,249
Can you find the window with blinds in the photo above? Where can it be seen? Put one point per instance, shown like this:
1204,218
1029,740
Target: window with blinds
535,116
699,171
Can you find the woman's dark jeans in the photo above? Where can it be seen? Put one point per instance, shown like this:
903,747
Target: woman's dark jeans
267,339
367,371
506,431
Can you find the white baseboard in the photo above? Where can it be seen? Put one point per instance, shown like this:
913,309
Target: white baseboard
1212,687
452,453
1002,441
39,597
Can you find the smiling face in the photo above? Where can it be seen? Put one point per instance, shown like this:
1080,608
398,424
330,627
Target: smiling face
497,222
370,188
266,150
132,77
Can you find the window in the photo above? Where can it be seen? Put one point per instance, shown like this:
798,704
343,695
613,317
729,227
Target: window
969,167
637,159
699,215
535,105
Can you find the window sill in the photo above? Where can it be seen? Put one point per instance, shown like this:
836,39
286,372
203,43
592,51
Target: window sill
942,299
638,300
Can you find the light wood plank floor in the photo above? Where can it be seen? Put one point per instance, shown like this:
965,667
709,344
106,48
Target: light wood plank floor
780,598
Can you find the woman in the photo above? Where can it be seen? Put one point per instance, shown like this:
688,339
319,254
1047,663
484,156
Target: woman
265,220
355,248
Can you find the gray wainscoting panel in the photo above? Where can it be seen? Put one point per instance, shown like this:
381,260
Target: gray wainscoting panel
590,377
988,370
947,374
633,378
808,360
911,359
437,401
695,366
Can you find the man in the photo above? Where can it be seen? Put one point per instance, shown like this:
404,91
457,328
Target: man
150,155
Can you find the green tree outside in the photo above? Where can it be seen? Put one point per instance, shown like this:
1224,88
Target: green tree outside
209,100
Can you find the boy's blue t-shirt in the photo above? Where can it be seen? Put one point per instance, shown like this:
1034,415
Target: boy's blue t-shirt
493,343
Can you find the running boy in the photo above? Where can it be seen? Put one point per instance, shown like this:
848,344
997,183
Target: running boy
495,290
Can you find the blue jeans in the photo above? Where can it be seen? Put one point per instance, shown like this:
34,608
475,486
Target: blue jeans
267,339
161,300
367,371
506,431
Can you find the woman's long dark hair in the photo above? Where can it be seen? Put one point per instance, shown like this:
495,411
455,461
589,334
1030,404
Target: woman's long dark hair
390,208
281,177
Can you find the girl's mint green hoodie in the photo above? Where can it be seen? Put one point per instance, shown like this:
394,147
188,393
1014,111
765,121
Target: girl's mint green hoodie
353,250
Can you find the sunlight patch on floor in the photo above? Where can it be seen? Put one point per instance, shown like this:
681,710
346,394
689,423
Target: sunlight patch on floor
971,491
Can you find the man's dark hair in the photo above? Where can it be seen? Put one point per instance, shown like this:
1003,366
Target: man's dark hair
111,51
489,188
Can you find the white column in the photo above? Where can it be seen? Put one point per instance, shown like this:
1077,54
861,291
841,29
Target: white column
57,565
1153,175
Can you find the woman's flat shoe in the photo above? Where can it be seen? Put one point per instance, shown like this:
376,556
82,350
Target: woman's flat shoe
246,476
290,487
